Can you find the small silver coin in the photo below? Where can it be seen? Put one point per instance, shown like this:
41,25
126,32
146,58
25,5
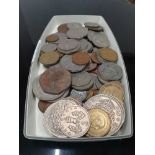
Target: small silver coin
74,25
48,47
110,71
97,83
80,79
66,62
80,95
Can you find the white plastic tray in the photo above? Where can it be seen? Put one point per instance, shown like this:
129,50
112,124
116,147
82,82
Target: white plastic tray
33,128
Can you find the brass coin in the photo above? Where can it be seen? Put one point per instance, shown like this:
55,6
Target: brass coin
114,90
63,28
108,54
49,58
100,123
52,38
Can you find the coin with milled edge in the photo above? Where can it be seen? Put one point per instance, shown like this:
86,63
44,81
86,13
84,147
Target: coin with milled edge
74,121
100,123
52,116
112,106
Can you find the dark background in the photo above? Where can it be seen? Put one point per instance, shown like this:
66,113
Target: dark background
34,16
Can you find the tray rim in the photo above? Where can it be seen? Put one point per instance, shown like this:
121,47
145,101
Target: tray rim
92,139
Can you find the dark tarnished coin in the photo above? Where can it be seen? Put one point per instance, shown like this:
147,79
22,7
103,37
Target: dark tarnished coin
63,28
52,38
66,62
110,71
74,121
80,58
43,105
55,81
49,58
80,95
81,79
48,48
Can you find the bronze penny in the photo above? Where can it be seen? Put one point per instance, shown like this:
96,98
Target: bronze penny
108,54
81,58
55,80
94,58
43,105
63,28
52,38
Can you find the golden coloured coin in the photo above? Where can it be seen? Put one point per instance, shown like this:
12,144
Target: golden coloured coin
100,123
60,54
108,54
114,90
49,58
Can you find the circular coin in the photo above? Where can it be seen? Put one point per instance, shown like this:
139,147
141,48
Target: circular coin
55,81
112,106
94,58
80,95
108,54
63,28
100,123
74,121
80,58
52,38
48,48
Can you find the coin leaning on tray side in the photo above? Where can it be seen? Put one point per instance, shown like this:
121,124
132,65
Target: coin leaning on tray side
80,93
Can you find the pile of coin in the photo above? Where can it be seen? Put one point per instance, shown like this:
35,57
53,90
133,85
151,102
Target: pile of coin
80,91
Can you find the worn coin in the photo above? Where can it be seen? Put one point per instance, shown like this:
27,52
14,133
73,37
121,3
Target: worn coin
97,83
43,105
94,58
90,93
48,48
90,66
108,54
112,106
52,38
74,121
80,58
55,81
63,28
52,116
110,71
100,123
74,25
80,95
66,62
49,58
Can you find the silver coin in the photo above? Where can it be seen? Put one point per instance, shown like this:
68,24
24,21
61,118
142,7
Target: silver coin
66,62
37,90
100,79
90,35
80,95
75,121
91,24
83,44
112,106
100,39
90,47
80,79
85,87
48,47
74,25
52,116
97,83
110,71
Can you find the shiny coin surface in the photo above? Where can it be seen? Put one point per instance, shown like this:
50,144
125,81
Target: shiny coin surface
80,95
52,116
52,38
113,90
74,121
49,58
80,58
100,123
55,81
108,54
43,105
112,106
66,62
110,71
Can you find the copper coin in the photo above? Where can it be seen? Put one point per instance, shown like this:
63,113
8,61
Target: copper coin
63,28
55,81
49,58
80,58
94,58
108,54
43,105
52,38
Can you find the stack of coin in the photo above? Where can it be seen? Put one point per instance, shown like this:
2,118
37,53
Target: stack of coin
80,64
